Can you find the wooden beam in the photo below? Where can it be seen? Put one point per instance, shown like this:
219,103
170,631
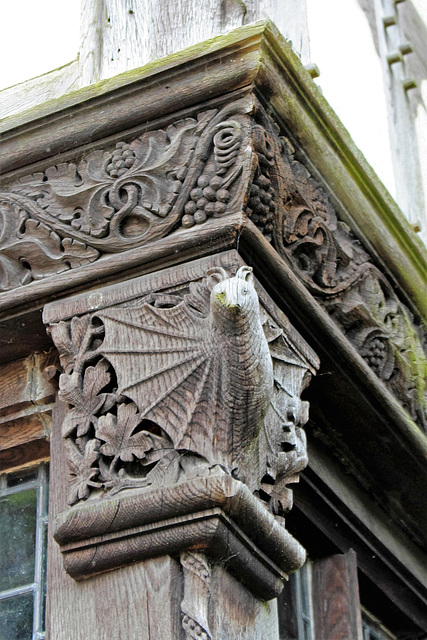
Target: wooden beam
336,598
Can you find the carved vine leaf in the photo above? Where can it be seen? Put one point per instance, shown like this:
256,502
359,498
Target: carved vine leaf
82,470
85,397
69,339
382,331
277,495
118,434
32,250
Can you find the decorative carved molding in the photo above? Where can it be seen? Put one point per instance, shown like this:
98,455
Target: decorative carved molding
125,196
195,605
196,383
293,212
204,167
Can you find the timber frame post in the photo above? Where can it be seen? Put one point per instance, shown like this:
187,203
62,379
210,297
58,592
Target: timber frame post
196,234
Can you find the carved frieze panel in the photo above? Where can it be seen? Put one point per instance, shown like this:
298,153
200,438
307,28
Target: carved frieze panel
182,383
124,195
294,213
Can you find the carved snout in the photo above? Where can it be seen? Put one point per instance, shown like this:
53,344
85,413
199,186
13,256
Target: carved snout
235,293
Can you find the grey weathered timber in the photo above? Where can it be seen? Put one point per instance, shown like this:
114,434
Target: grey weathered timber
117,36
204,384
190,174
26,400
254,56
116,203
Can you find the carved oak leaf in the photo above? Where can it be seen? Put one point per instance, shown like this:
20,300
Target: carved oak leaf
119,437
77,253
81,470
68,338
86,399
278,496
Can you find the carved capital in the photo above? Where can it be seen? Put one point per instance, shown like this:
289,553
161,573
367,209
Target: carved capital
176,384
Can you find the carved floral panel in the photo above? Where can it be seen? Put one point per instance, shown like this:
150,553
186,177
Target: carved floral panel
141,189
294,213
123,196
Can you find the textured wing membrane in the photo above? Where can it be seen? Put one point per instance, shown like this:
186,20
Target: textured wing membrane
166,364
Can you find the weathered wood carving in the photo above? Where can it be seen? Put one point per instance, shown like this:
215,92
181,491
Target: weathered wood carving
293,212
224,160
170,394
124,196
180,384
195,605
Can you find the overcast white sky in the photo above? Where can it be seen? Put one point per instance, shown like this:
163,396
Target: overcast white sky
37,36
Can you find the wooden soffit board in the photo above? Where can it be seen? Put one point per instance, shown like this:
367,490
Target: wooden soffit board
230,145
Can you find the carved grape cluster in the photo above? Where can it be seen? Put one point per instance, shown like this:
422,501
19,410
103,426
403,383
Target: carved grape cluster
122,160
208,199
178,176
261,206
376,354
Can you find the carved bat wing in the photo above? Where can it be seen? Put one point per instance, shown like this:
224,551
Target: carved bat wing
166,363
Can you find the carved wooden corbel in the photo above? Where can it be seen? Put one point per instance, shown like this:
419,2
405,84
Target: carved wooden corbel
185,421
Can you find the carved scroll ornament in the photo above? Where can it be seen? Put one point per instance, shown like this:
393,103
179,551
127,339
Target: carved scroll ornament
120,197
181,388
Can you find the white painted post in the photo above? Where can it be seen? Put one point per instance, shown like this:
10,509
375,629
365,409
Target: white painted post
119,35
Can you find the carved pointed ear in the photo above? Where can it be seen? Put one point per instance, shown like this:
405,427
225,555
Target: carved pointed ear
215,275
245,273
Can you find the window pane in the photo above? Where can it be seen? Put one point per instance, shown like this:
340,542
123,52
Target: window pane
16,618
27,475
17,539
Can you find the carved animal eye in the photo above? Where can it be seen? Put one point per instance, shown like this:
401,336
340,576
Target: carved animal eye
245,290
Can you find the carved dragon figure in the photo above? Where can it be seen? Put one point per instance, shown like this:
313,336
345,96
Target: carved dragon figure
216,375
207,380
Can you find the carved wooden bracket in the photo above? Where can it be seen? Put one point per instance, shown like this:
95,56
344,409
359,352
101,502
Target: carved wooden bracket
185,422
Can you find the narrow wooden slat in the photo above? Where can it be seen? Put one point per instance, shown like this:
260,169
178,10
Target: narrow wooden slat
336,601
25,428
24,455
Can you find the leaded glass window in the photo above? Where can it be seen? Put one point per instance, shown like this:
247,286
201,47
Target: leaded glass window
23,542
